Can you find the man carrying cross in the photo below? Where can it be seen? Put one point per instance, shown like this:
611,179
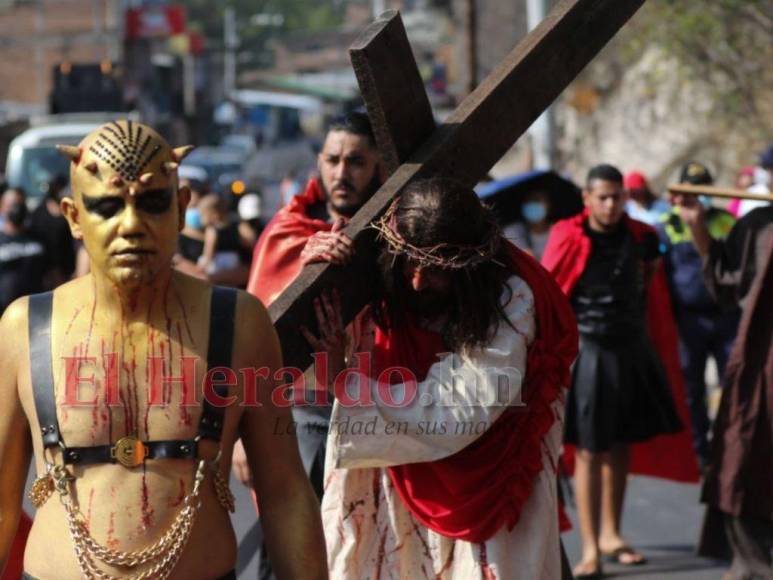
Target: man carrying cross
454,474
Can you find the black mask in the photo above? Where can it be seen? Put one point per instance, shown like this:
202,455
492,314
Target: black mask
17,214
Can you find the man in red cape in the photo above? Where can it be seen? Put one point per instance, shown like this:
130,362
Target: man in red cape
441,459
304,231
663,452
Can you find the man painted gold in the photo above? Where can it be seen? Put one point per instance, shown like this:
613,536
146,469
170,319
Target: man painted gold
129,488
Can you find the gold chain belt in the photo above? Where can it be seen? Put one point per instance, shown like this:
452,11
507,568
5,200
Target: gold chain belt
162,556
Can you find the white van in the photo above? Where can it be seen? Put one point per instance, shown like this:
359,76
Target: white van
33,160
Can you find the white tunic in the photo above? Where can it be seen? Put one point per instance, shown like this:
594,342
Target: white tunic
370,534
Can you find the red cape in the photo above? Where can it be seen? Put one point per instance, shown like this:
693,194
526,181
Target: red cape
667,456
15,564
473,493
276,260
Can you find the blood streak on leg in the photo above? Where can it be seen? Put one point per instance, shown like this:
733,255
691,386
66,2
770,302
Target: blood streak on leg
112,542
185,416
88,511
151,352
486,571
146,509
72,320
175,502
107,411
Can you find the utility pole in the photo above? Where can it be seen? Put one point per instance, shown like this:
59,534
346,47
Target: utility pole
543,130
231,43
379,6
471,19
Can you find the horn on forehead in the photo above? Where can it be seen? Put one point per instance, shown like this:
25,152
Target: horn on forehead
70,151
179,153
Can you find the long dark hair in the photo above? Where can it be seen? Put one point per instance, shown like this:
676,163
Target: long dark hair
437,211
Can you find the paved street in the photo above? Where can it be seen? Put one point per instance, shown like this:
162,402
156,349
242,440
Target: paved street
663,520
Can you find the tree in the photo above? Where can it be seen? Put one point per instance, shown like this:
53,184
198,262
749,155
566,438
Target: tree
724,44
297,15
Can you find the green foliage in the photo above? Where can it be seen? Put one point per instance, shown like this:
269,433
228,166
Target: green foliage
725,43
298,15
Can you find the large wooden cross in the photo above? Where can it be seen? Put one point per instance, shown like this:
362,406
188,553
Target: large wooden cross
476,135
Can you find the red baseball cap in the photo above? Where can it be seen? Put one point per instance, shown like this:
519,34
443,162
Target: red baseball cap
635,180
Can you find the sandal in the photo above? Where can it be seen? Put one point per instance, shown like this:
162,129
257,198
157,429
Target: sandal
596,572
618,556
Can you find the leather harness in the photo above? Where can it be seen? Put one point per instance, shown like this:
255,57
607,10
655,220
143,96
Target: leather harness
129,451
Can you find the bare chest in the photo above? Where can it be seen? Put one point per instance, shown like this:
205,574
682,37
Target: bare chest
113,378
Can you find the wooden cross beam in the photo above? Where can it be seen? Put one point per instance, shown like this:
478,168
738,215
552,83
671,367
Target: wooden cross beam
723,192
465,147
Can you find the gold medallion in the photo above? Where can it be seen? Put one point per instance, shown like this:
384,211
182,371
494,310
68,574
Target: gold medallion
129,452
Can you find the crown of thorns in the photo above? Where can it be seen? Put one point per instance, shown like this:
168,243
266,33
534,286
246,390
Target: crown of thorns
445,256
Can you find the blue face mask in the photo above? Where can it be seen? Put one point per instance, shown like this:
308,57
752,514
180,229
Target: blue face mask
534,211
193,218
705,201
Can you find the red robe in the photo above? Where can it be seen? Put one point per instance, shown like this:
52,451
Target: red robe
667,456
276,260
473,493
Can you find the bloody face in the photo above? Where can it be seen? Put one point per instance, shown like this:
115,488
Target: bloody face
427,289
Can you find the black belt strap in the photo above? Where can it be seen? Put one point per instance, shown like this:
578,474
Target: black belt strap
180,449
41,374
221,337
219,354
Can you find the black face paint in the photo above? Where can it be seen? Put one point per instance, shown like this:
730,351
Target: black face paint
105,207
155,201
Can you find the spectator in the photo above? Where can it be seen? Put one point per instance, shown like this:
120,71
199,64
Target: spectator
22,258
642,204
531,234
250,223
225,257
190,242
744,180
703,328
762,183
48,225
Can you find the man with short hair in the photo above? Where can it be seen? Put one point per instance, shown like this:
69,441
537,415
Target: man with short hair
306,230
48,225
444,465
603,260
100,381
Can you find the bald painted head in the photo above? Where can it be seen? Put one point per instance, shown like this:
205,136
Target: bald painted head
126,205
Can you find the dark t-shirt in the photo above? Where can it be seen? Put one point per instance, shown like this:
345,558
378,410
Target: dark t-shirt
228,240
54,233
22,267
609,296
190,248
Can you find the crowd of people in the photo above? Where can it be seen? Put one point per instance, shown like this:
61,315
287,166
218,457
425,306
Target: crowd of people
581,359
